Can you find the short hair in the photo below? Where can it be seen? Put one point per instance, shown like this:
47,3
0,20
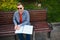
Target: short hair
20,4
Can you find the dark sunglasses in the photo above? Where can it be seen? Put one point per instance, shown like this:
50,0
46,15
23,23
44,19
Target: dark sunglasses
19,8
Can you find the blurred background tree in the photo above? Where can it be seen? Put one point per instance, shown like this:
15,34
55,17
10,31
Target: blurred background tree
8,5
52,7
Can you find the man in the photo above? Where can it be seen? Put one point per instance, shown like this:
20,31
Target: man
21,17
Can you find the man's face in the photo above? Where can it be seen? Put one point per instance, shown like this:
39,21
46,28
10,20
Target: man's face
20,8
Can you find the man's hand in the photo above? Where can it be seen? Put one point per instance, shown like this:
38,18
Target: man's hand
17,27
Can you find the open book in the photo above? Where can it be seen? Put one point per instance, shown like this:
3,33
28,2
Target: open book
26,29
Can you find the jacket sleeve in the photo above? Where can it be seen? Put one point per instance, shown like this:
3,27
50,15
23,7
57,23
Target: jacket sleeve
14,19
27,19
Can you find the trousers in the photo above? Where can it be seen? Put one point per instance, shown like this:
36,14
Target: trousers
21,37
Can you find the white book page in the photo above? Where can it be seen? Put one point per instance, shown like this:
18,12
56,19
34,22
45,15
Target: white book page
28,29
20,30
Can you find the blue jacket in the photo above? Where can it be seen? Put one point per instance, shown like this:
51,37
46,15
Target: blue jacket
25,18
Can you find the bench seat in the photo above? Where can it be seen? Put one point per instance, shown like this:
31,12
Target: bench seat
6,30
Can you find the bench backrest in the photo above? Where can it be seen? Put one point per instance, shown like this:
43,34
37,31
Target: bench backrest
6,18
35,16
38,15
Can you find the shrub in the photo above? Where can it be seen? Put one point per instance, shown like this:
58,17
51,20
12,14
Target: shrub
53,7
8,5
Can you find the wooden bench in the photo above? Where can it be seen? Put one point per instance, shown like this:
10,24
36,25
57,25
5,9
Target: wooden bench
38,19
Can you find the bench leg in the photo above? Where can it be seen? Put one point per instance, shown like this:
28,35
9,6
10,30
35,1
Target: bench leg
15,37
49,34
34,35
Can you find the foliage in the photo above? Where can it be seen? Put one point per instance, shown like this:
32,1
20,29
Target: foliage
8,5
52,6
53,10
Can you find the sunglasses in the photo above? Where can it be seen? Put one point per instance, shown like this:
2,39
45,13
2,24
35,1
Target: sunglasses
19,8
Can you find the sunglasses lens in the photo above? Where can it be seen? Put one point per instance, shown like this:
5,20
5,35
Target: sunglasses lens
19,8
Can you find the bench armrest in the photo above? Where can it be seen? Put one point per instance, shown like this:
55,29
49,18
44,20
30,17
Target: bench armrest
50,26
